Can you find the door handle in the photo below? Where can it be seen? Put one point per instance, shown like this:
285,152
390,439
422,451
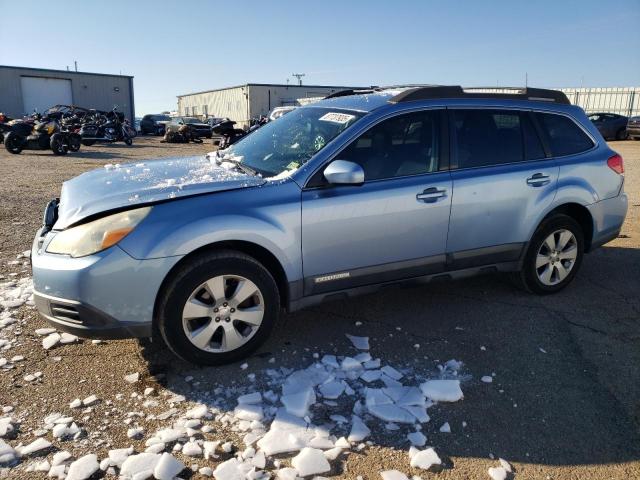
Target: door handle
538,180
431,195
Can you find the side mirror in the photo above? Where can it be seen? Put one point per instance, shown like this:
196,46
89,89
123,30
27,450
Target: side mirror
343,172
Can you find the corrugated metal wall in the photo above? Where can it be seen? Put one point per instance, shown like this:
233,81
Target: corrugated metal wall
229,102
623,100
98,91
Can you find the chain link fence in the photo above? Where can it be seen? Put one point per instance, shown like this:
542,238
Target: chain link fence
623,101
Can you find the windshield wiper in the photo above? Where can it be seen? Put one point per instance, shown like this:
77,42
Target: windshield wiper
237,163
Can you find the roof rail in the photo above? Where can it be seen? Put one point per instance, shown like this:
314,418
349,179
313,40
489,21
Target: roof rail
353,91
456,91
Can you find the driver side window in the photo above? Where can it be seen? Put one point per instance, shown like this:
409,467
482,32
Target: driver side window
403,145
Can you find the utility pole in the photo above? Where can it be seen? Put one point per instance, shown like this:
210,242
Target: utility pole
299,77
76,65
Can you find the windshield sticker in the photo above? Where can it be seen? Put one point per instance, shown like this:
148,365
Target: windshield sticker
292,166
335,117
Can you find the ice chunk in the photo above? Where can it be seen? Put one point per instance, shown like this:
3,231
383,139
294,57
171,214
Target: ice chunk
375,396
391,413
45,331
361,343
310,461
136,466
332,390
393,475
371,375
391,372
333,453
191,449
50,341
359,431
298,403
506,465
232,469
198,411
37,445
210,449
6,426
498,473
250,398
60,457
119,455
349,363
132,378
287,474
248,412
77,403
487,379
68,338
167,467
90,400
445,428
419,412
442,390
83,467
425,459
417,439
7,454
330,360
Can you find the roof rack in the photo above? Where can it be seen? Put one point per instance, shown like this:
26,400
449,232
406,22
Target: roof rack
456,91
353,91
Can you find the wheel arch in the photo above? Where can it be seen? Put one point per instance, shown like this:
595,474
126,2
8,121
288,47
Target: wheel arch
580,214
258,252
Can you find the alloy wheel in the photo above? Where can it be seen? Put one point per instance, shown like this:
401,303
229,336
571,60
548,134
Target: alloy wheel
223,313
556,257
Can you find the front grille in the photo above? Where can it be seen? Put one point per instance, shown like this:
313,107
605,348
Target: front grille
65,312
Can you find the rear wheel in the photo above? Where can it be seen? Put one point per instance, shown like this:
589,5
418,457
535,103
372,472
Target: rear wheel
554,255
58,145
128,141
13,142
218,308
621,134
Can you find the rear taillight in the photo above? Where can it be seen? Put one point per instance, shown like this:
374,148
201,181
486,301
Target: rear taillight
616,164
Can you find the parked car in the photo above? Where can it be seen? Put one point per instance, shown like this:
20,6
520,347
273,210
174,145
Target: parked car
197,127
154,124
335,199
633,128
279,111
610,125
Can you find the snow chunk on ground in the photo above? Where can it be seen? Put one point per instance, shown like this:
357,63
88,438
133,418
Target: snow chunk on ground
298,403
445,428
332,390
250,398
7,453
50,341
442,390
425,459
132,378
37,445
310,461
417,439
140,465
248,412
167,467
392,413
361,343
191,449
498,473
487,379
393,475
359,431
83,468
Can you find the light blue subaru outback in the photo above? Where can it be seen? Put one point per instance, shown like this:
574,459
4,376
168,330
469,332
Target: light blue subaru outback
338,198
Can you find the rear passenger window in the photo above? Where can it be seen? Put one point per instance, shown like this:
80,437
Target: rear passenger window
565,137
488,137
532,144
402,145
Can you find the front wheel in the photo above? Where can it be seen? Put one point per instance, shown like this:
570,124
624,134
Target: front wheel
58,145
13,143
128,141
74,142
218,308
554,255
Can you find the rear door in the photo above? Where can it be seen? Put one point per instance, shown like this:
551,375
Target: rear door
393,226
502,179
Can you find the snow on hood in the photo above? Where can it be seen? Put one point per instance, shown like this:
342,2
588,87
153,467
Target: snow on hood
121,186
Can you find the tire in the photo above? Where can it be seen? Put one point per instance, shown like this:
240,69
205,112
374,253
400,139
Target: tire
58,145
531,277
88,143
13,143
187,283
74,141
128,141
621,134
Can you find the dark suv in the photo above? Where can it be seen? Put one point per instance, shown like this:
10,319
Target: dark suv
154,124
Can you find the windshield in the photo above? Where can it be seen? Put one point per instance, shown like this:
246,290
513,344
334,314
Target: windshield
285,145
190,120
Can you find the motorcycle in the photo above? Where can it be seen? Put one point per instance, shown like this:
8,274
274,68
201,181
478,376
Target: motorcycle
228,132
105,128
40,133
4,126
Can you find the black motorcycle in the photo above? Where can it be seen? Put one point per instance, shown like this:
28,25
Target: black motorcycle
38,134
228,132
105,127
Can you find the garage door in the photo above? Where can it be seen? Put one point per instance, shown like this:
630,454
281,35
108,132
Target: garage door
41,93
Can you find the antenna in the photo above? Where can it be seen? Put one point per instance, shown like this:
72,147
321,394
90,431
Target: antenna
76,65
299,77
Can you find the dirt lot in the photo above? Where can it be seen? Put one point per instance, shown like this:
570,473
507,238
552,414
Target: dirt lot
564,402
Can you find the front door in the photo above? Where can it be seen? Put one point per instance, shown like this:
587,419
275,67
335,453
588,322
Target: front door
393,226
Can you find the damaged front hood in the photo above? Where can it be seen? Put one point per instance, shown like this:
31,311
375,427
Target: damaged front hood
117,187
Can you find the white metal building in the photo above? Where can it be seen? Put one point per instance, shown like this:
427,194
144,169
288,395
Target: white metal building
23,90
244,102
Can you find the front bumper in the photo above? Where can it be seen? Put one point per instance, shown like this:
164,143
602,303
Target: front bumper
106,295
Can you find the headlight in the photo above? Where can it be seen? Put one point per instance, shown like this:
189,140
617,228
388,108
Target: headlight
98,235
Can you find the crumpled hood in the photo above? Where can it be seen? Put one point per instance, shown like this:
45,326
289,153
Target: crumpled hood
117,187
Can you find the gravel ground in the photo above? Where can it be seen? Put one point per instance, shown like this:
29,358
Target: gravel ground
563,404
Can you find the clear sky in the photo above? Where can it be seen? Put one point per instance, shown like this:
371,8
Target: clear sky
175,47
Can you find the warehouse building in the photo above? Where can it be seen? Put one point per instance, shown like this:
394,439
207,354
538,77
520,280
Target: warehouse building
25,90
244,102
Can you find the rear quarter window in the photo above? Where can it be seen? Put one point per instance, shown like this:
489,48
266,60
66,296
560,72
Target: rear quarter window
564,135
